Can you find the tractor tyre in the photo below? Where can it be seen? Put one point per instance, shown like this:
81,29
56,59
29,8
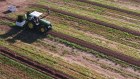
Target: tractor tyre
30,25
42,29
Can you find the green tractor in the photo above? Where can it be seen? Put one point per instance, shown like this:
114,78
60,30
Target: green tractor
33,21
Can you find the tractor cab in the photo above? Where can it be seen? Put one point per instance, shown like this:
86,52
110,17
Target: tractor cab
33,21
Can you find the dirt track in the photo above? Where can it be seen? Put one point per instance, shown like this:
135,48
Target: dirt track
33,64
110,7
91,20
103,50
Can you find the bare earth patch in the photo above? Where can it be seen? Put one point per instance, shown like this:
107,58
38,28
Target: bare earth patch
103,66
100,65
8,72
131,4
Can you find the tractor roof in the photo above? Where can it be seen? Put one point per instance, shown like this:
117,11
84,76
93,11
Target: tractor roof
35,13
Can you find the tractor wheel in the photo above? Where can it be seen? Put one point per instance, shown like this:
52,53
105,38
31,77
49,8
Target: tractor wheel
30,25
42,30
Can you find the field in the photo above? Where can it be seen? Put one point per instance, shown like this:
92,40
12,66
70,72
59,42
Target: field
10,69
89,39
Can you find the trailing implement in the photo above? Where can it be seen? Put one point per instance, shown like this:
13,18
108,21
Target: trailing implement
33,21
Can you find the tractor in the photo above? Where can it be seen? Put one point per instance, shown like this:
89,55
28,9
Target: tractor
33,21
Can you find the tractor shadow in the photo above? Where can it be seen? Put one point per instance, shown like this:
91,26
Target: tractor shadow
24,35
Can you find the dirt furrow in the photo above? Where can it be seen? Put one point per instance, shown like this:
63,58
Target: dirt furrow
137,33
110,7
33,64
103,50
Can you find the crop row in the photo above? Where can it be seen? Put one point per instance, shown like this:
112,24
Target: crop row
26,48
96,48
16,66
116,5
110,7
57,63
96,43
49,71
99,17
62,25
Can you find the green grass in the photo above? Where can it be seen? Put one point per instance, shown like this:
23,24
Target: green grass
104,43
4,22
32,74
97,54
107,2
108,33
57,63
66,29
93,13
111,34
108,67
63,27
32,52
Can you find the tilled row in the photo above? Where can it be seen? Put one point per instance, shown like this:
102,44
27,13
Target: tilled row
33,64
110,7
103,50
90,20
